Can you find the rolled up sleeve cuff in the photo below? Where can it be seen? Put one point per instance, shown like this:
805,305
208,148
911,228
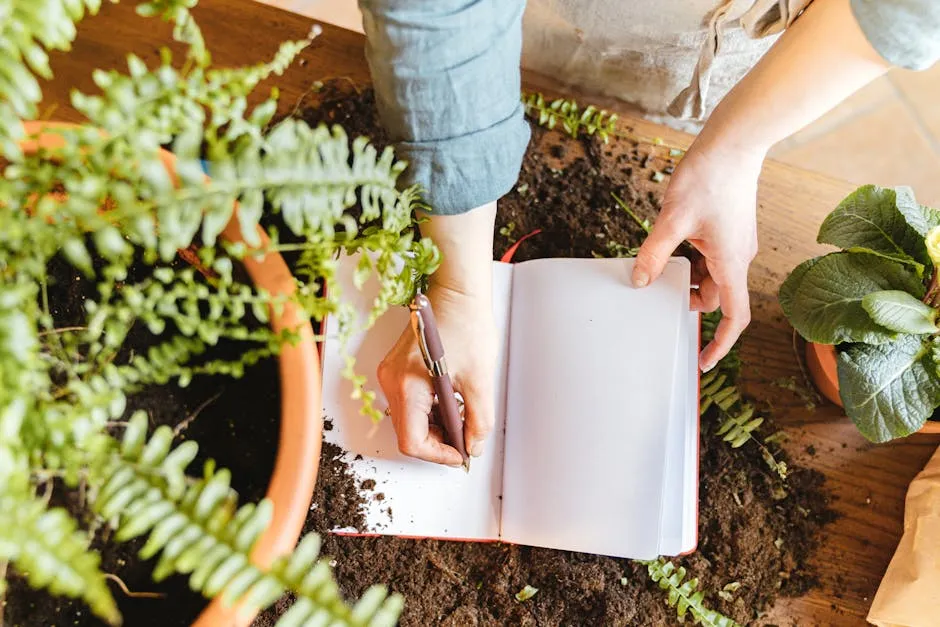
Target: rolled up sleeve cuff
468,171
447,87
906,33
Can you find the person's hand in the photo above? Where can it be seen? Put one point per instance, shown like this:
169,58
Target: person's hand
711,202
468,333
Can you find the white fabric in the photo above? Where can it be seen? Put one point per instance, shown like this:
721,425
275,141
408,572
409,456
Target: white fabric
684,53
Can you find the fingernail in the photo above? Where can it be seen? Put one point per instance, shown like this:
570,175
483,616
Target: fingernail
707,366
476,449
640,278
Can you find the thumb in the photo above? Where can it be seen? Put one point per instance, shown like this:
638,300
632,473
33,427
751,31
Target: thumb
479,415
653,255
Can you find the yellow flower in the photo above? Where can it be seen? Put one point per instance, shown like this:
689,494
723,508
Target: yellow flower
933,245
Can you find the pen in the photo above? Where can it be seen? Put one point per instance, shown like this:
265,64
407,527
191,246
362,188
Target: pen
432,351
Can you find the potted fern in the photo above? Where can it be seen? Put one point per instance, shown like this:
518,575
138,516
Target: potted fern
872,309
105,196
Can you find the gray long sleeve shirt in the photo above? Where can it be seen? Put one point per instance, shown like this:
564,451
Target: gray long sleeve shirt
447,84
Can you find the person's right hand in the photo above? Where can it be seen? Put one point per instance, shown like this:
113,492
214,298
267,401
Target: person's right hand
468,333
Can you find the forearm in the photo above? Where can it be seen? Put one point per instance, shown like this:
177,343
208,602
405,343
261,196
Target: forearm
820,60
466,244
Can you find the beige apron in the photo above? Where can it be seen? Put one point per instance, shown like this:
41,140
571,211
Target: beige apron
670,58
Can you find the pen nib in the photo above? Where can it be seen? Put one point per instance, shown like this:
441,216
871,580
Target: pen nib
466,465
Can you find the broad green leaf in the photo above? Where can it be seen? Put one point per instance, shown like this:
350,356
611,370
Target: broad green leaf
921,218
791,283
907,261
899,311
889,391
825,298
871,218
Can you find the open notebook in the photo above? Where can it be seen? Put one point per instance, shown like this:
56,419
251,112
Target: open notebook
595,447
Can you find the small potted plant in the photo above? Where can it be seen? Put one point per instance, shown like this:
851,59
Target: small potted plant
108,199
870,311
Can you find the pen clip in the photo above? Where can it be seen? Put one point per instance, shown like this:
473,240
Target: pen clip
417,323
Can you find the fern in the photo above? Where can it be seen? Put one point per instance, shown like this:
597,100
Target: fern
27,31
683,594
185,29
573,120
45,545
590,121
197,529
737,420
104,202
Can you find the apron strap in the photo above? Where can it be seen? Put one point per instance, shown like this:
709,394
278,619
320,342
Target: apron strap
765,17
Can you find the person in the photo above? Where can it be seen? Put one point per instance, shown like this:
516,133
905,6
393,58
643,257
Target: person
447,73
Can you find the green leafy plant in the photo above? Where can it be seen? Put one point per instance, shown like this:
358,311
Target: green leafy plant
572,118
589,121
105,203
683,594
876,300
738,421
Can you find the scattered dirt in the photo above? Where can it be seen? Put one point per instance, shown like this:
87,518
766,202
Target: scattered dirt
458,583
747,533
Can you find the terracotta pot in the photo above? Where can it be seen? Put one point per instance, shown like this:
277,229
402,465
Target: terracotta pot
298,455
822,365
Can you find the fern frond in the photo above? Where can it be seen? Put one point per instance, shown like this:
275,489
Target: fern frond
737,421
573,120
197,529
683,594
27,31
730,363
185,29
45,546
304,163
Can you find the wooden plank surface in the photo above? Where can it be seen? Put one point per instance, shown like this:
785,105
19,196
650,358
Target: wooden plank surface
868,481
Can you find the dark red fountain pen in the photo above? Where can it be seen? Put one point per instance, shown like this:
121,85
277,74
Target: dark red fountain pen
432,350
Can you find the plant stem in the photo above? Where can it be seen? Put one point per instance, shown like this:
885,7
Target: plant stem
63,354
930,298
281,248
133,595
3,595
643,225
61,330
185,423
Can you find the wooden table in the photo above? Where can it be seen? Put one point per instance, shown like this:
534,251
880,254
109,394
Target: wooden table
868,481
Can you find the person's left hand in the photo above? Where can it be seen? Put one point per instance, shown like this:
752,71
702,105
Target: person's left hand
711,202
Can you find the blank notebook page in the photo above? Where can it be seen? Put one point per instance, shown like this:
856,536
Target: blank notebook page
589,404
425,499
